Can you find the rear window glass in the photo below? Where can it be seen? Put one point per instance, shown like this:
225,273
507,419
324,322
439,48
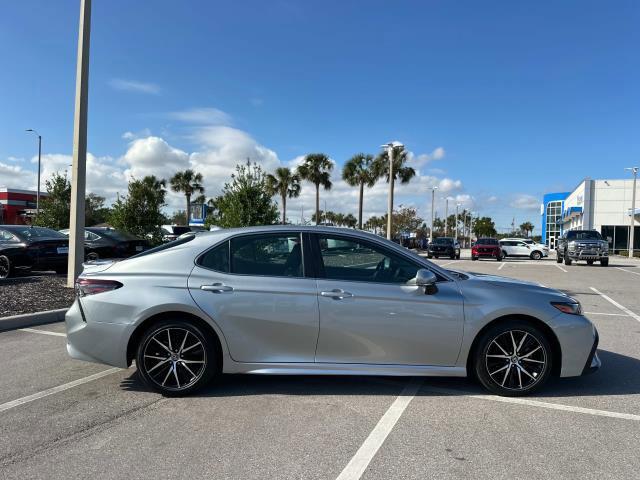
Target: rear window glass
165,246
216,259
116,235
277,255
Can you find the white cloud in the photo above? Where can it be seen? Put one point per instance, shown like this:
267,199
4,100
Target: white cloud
421,160
525,202
14,176
135,86
145,132
204,116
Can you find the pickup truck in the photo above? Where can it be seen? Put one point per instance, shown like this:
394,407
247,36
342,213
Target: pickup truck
587,245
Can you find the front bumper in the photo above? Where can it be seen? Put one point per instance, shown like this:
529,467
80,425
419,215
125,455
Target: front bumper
593,361
587,254
491,254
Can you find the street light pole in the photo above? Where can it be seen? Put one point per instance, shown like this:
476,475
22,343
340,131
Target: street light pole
457,205
390,146
39,163
634,170
79,166
433,199
446,217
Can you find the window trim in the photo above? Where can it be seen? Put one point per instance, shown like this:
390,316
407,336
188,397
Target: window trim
319,264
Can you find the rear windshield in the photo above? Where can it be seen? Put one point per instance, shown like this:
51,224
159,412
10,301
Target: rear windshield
34,233
115,234
487,241
584,235
165,246
443,241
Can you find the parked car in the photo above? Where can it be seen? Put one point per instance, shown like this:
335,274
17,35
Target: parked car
588,245
444,247
23,247
322,301
172,232
523,247
486,247
104,242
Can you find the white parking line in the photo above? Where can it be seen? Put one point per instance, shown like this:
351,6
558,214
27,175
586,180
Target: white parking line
42,332
628,271
358,464
501,266
536,403
613,302
610,314
59,388
561,268
448,263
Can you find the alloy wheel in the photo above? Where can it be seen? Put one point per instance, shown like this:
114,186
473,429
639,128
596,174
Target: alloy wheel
5,267
516,360
174,358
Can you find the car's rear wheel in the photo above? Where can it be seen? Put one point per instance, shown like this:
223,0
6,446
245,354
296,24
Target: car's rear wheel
5,267
558,257
567,260
474,258
604,262
513,358
176,358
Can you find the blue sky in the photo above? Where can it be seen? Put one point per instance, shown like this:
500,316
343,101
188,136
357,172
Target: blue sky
499,102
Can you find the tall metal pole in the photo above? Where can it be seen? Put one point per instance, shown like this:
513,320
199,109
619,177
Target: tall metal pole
446,217
634,170
79,166
433,200
39,159
457,205
390,206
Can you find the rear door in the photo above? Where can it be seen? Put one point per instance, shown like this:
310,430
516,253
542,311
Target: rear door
257,288
370,313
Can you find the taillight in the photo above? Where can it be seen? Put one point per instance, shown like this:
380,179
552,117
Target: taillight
91,286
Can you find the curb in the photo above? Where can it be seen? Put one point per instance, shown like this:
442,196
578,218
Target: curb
31,319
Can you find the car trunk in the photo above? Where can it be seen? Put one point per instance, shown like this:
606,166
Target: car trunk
54,251
127,248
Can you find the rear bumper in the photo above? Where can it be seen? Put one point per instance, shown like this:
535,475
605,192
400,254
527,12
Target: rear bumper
95,341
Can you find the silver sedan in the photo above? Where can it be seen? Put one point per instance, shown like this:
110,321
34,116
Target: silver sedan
322,301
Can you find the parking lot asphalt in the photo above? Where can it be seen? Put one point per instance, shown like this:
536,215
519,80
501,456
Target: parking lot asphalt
62,418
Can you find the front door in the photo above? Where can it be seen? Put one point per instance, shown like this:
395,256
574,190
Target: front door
370,313
254,287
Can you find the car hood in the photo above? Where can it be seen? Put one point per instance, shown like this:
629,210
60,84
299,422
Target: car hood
506,282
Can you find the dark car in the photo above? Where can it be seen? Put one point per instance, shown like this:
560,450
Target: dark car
444,247
104,242
23,247
486,247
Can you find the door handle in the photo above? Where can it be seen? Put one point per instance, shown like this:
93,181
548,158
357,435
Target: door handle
336,294
216,288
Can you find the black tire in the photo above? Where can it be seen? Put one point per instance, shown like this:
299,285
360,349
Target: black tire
452,257
170,380
436,256
558,257
589,262
499,258
429,255
567,260
536,255
458,256
6,269
504,254
604,262
474,258
527,337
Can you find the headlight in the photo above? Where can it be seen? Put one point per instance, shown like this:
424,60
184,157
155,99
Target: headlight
604,246
572,308
572,244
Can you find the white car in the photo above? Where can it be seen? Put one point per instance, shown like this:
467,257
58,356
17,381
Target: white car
523,247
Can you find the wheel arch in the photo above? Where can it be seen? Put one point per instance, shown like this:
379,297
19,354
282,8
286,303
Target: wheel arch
556,350
135,337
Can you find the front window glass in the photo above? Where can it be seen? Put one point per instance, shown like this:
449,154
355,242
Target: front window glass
34,233
7,237
443,241
352,260
276,255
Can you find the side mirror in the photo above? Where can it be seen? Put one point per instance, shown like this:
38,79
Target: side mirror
427,279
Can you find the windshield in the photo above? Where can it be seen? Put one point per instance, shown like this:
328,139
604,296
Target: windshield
34,233
584,235
442,241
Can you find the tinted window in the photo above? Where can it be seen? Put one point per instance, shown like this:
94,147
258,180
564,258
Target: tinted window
278,255
217,258
584,235
35,233
8,237
487,241
363,262
443,241
165,246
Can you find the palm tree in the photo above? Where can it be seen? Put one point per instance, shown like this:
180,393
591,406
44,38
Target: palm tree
317,170
286,184
350,221
359,171
526,227
400,170
187,182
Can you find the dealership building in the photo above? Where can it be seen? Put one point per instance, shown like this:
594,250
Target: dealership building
17,207
602,205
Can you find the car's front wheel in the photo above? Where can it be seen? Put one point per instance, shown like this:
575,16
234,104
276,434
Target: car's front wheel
513,358
536,255
176,358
